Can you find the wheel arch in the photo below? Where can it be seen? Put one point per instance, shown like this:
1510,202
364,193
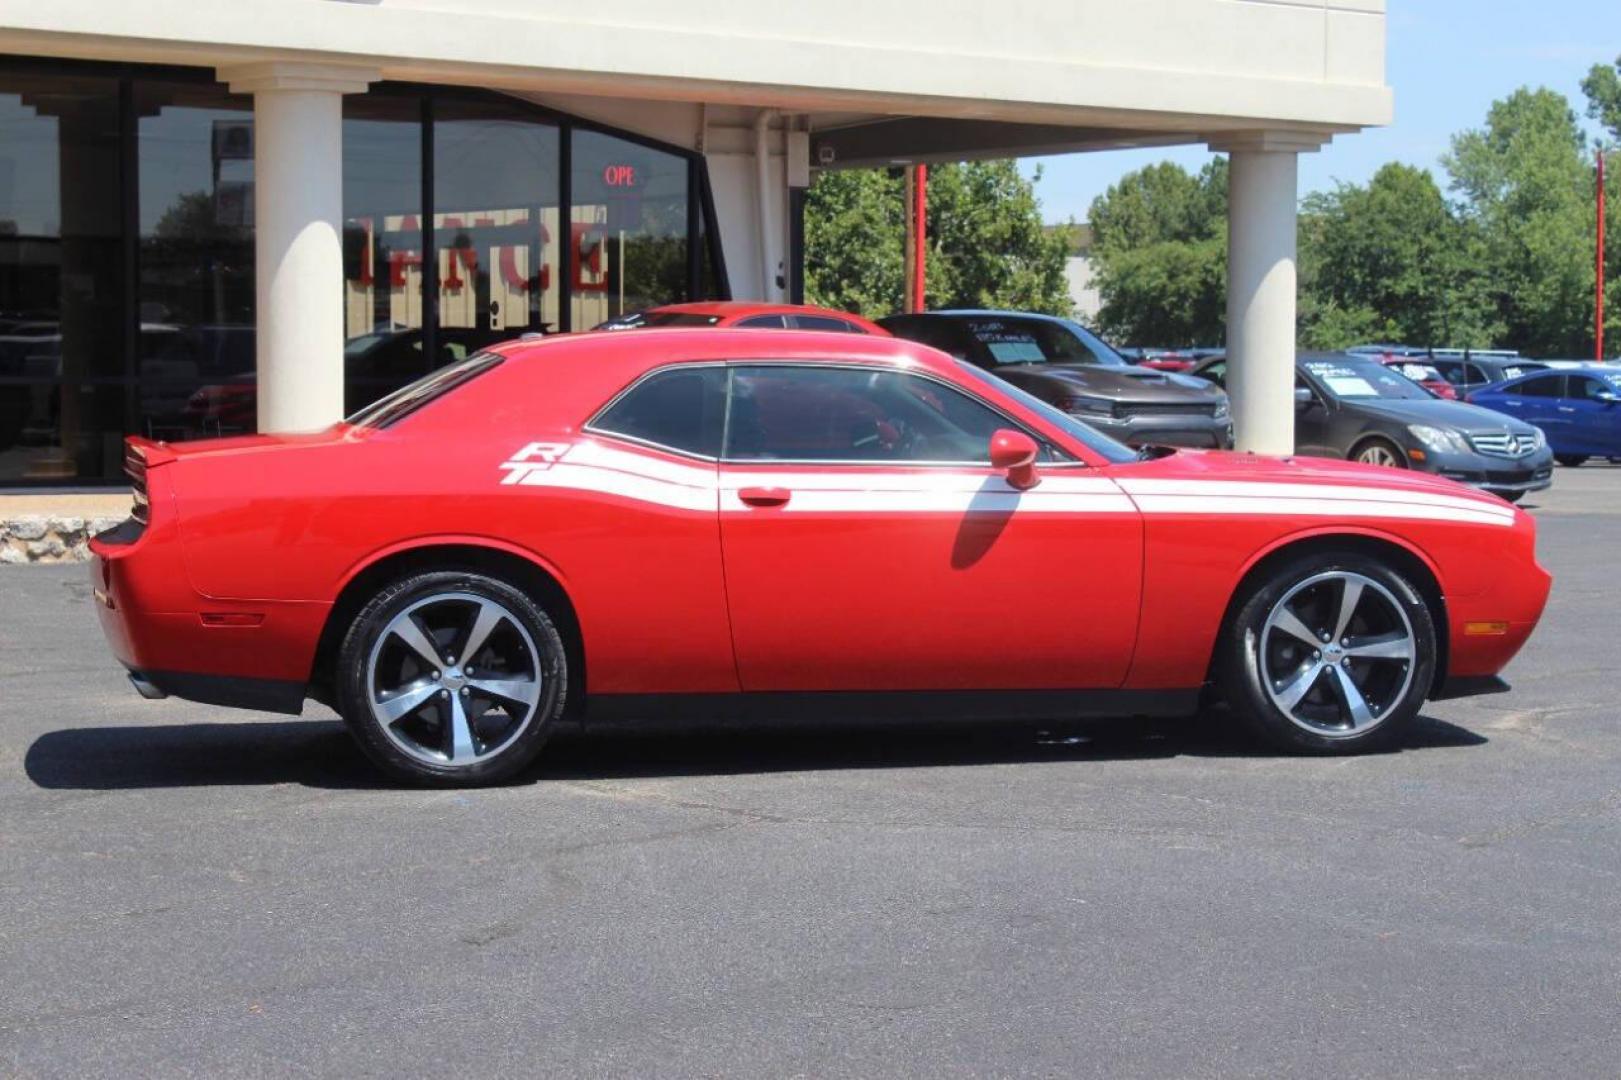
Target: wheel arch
1412,560
1375,434
521,568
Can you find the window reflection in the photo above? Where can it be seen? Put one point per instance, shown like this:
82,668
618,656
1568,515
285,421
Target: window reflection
194,169
496,175
60,274
629,242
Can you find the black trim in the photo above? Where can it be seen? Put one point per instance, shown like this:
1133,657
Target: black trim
230,691
565,227
796,245
1469,686
717,253
895,704
427,238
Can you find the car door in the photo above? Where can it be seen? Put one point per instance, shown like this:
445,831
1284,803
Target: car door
1537,401
1315,421
869,545
1595,418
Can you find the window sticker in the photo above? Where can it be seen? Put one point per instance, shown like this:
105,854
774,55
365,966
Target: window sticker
1350,386
1015,352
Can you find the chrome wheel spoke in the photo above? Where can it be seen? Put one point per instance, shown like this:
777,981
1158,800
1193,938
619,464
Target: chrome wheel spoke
1396,646
395,706
1355,705
1350,596
461,747
1370,668
523,692
1294,691
484,623
408,671
416,639
1287,621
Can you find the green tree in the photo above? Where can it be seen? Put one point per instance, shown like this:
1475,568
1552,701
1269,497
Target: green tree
1603,89
1390,262
1160,245
986,243
1527,190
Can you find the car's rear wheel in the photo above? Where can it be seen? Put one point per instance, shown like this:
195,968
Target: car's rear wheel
1329,653
1571,461
452,678
1379,452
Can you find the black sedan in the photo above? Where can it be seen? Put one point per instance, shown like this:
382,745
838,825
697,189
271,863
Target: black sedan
1067,366
1357,408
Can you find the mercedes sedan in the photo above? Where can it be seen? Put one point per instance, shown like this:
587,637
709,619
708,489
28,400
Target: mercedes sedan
751,522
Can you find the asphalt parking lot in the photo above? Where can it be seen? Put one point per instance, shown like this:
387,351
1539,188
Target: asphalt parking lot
185,891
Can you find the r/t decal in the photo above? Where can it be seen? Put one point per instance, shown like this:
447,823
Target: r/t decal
536,457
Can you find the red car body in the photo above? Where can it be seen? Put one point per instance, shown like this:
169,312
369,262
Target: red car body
681,576
1423,374
1168,362
748,314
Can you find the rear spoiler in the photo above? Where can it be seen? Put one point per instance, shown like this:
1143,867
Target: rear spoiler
140,456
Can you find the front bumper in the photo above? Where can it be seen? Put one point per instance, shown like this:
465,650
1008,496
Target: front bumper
1201,432
1500,476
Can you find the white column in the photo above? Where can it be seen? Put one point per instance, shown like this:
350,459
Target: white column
1261,208
298,236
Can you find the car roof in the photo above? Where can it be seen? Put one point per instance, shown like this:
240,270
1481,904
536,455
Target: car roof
979,313
660,345
751,307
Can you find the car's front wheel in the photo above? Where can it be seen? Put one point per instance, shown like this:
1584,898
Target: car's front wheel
452,678
1379,452
1329,653
1571,461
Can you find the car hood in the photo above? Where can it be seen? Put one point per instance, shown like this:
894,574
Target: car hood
1117,383
1459,415
1171,471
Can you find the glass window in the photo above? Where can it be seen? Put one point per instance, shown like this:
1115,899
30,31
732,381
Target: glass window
1004,340
61,277
783,412
408,399
681,409
194,171
496,224
1584,386
1546,386
764,322
628,249
1081,432
382,246
1352,377
825,322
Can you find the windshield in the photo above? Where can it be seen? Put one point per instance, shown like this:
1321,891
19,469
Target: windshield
1011,340
407,399
1093,439
1356,379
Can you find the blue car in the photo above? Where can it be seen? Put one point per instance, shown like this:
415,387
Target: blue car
1577,408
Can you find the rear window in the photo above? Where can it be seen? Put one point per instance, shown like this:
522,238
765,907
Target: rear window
1035,341
408,399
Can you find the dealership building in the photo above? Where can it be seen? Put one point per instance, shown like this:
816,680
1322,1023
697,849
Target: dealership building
220,216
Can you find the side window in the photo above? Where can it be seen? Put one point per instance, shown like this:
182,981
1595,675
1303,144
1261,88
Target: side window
1584,386
1472,374
824,322
764,322
1217,373
681,409
781,412
1546,386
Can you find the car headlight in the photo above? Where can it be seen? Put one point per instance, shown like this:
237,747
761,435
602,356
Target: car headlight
1089,406
1539,441
1440,440
1222,408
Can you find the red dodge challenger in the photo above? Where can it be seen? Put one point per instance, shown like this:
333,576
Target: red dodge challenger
750,521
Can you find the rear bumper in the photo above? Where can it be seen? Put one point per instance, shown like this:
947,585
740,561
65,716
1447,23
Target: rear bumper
230,691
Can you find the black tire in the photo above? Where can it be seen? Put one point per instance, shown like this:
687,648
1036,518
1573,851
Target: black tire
1512,496
1239,663
1571,461
355,676
1398,459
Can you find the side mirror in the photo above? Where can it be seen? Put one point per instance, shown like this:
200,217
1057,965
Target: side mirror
1606,397
1304,398
1015,452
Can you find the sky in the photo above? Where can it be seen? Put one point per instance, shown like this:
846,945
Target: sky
1446,60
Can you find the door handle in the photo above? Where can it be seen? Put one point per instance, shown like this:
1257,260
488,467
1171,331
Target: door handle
1566,408
764,496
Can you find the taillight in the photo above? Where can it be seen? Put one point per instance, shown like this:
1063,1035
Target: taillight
135,468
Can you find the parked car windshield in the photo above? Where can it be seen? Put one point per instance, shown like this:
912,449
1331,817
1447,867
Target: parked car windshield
1012,340
1362,379
1094,439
